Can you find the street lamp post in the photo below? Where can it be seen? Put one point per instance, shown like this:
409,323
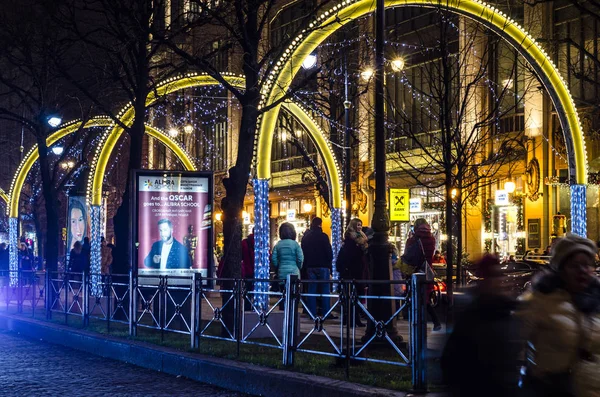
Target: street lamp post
379,249
347,150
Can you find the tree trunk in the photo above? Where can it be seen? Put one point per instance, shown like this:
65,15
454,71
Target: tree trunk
235,188
122,219
51,204
41,236
449,243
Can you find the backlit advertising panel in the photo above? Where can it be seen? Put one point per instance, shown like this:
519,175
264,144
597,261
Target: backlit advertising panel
174,222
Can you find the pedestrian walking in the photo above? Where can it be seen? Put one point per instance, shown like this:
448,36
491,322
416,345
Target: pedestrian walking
352,262
485,341
287,256
77,259
25,257
87,249
248,267
318,256
561,320
107,258
418,257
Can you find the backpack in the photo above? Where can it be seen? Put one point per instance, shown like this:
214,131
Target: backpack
413,256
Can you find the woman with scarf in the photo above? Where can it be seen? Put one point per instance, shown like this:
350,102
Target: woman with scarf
352,261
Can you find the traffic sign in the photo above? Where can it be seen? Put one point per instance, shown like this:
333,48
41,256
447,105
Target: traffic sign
399,205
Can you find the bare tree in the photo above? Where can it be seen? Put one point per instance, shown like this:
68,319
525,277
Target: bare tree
31,91
211,32
453,141
122,62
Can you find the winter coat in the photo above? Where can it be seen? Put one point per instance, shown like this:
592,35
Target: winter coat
287,257
107,259
78,262
352,261
561,326
423,233
248,257
317,249
480,356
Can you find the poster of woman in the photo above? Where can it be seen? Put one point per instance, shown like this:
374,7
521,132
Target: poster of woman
78,222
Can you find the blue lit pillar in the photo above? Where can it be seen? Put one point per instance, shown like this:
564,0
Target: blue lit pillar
13,258
95,251
261,241
578,210
336,238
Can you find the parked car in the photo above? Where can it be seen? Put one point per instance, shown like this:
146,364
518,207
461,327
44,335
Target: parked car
516,276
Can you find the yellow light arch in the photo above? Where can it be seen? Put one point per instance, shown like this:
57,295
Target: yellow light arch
349,10
70,128
112,135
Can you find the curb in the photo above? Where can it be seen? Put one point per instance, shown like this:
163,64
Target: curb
228,374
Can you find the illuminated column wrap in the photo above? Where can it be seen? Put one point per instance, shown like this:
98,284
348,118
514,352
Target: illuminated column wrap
336,238
578,210
95,251
13,259
261,240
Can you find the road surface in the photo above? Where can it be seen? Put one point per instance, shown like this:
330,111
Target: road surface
33,368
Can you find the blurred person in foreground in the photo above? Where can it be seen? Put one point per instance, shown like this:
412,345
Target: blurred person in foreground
480,356
561,319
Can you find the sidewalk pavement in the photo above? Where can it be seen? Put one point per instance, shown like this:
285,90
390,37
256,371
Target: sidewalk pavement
229,374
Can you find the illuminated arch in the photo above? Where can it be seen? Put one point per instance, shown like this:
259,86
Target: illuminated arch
70,128
111,136
348,10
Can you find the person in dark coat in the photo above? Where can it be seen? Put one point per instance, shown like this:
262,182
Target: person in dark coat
4,259
425,239
318,256
25,257
248,267
480,357
352,262
77,259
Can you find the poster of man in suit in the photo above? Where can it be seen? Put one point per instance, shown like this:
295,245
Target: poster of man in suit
168,207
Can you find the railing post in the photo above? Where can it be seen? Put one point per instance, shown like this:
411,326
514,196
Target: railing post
289,320
163,286
86,299
107,287
133,281
418,333
193,314
49,294
20,291
238,305
66,284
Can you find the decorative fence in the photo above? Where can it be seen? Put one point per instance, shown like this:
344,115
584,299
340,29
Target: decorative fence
291,323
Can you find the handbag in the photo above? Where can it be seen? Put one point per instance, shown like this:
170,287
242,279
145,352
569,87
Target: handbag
426,267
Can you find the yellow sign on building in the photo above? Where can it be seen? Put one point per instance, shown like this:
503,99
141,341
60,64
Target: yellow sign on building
399,205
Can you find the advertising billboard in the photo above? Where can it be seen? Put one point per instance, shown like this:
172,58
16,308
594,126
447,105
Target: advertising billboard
174,222
78,222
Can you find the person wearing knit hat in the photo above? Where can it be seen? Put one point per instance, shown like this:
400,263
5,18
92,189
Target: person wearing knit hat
568,246
561,320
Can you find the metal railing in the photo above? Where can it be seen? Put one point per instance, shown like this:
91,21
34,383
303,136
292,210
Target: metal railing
228,312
